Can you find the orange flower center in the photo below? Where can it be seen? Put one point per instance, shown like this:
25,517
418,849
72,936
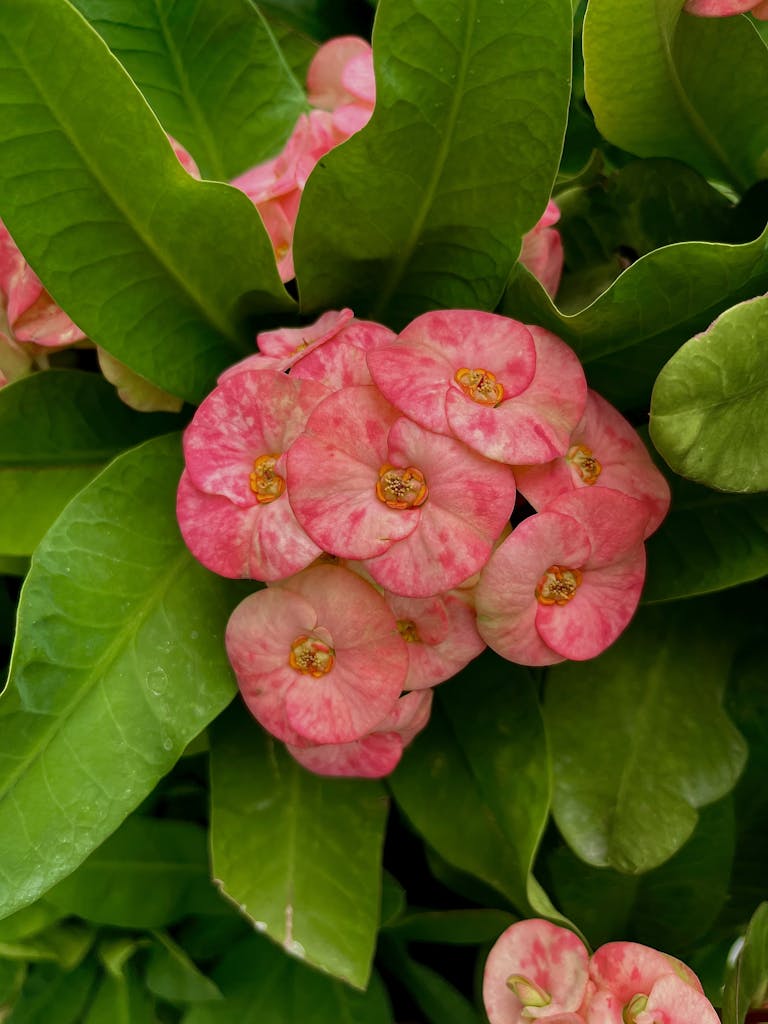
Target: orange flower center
558,585
585,463
266,484
408,631
401,488
311,656
480,385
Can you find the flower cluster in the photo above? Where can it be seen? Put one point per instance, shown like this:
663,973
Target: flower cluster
370,479
538,971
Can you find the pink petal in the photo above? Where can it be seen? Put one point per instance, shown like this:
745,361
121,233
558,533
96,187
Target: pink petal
341,362
542,250
324,75
350,118
184,158
626,968
446,637
672,1001
718,8
357,77
615,523
296,341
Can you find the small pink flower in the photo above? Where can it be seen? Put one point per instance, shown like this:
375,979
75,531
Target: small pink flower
535,971
232,505
542,250
422,510
340,79
341,363
567,581
511,392
604,451
378,752
281,348
318,657
725,8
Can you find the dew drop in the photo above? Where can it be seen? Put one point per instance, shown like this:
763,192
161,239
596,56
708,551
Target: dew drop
157,681
294,948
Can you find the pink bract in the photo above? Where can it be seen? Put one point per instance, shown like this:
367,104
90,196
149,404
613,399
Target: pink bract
523,389
318,657
232,507
535,971
542,250
340,79
282,348
341,362
567,581
725,8
355,442
604,451
377,753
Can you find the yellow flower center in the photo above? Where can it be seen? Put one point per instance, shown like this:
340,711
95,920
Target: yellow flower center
585,463
408,631
266,484
311,656
480,385
558,585
635,1006
401,488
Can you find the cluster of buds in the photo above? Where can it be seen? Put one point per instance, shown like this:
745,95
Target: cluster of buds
538,971
370,478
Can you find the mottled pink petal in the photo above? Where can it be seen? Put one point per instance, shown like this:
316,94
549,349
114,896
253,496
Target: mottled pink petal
626,968
672,1001
441,634
297,341
551,959
341,361
542,250
615,523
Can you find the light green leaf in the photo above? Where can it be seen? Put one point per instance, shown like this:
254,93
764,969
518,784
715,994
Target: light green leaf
212,73
28,921
299,853
157,268
54,996
425,207
747,983
119,662
115,951
709,409
172,976
57,430
639,737
262,985
662,83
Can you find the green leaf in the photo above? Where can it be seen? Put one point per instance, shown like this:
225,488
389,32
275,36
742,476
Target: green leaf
121,1000
476,783
262,985
320,19
28,921
299,853
438,1000
12,977
119,662
172,976
639,737
425,207
57,430
53,996
709,409
212,73
143,876
393,899
662,83
452,927
627,334
747,983
64,944
115,951
157,268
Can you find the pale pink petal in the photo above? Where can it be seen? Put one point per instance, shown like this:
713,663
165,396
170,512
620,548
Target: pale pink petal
324,76
549,957
672,1001
351,118
358,78
626,968
45,323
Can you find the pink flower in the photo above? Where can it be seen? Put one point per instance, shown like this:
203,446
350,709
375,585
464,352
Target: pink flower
378,752
232,505
422,510
542,250
340,79
567,581
513,393
725,8
535,971
604,451
318,658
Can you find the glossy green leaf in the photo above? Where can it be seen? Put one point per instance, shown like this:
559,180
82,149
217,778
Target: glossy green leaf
453,927
299,853
57,430
159,269
119,662
425,207
297,48
262,985
662,83
747,983
709,409
172,976
640,739
53,996
476,783
211,72
143,876
627,334
438,1000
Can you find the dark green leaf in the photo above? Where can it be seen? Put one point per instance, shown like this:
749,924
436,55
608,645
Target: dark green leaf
453,927
12,975
211,72
320,19
64,944
299,853
425,207
53,996
709,409
393,899
747,982
640,739
438,1000
158,268
172,976
121,1000
119,662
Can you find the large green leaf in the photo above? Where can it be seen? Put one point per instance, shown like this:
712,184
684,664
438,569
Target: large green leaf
119,662
640,739
54,996
262,985
627,334
476,783
211,72
747,982
709,409
57,430
159,269
172,976
662,83
299,853
425,207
